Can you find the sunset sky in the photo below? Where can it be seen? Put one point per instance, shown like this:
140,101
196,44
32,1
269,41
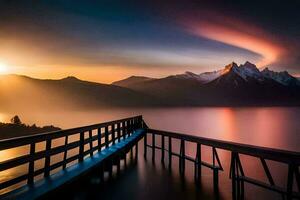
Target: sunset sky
106,40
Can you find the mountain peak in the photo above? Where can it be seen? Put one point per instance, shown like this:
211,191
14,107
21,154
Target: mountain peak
246,71
249,65
71,78
231,66
190,74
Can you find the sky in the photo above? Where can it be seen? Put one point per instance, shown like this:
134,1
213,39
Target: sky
107,40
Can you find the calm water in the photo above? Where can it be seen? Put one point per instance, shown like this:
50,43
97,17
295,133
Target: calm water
269,127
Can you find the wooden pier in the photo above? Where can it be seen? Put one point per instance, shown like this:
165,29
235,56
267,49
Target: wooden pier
100,146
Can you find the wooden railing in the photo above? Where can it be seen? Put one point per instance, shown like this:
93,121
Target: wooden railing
111,132
99,136
237,175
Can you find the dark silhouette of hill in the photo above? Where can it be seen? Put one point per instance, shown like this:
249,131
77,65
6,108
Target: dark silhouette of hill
21,92
16,129
132,81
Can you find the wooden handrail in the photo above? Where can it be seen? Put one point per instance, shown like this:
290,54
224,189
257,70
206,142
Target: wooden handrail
32,155
24,140
252,150
236,172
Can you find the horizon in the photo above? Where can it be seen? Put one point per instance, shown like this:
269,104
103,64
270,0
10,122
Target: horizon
134,75
104,41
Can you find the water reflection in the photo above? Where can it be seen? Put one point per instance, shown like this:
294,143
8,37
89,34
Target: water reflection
270,127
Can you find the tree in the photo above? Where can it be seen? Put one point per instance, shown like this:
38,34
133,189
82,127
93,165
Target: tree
16,120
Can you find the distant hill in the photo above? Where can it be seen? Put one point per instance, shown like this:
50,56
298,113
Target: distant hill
132,80
21,92
243,85
9,130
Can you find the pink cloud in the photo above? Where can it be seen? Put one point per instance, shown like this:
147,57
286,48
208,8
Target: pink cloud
236,33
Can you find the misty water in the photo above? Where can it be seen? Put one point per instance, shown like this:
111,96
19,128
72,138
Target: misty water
276,127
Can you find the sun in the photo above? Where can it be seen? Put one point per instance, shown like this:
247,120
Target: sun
3,68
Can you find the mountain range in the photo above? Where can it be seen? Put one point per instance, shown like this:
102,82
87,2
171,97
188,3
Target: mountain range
231,86
234,85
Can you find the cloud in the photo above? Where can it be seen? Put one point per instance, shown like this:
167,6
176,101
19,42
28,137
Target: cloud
236,33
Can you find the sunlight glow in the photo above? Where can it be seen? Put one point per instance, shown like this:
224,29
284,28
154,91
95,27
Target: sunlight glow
3,68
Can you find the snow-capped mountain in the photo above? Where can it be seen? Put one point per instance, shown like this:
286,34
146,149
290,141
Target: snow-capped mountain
232,85
245,71
203,77
281,77
249,70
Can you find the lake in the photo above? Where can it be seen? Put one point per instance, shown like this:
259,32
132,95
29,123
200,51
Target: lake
276,127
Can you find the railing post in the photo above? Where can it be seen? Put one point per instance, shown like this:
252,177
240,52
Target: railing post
31,164
124,129
134,124
241,182
297,176
91,142
47,158
198,164
145,145
140,122
118,132
128,128
81,147
182,157
113,133
106,137
215,170
162,148
290,181
153,147
65,152
136,150
99,139
233,174
170,152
